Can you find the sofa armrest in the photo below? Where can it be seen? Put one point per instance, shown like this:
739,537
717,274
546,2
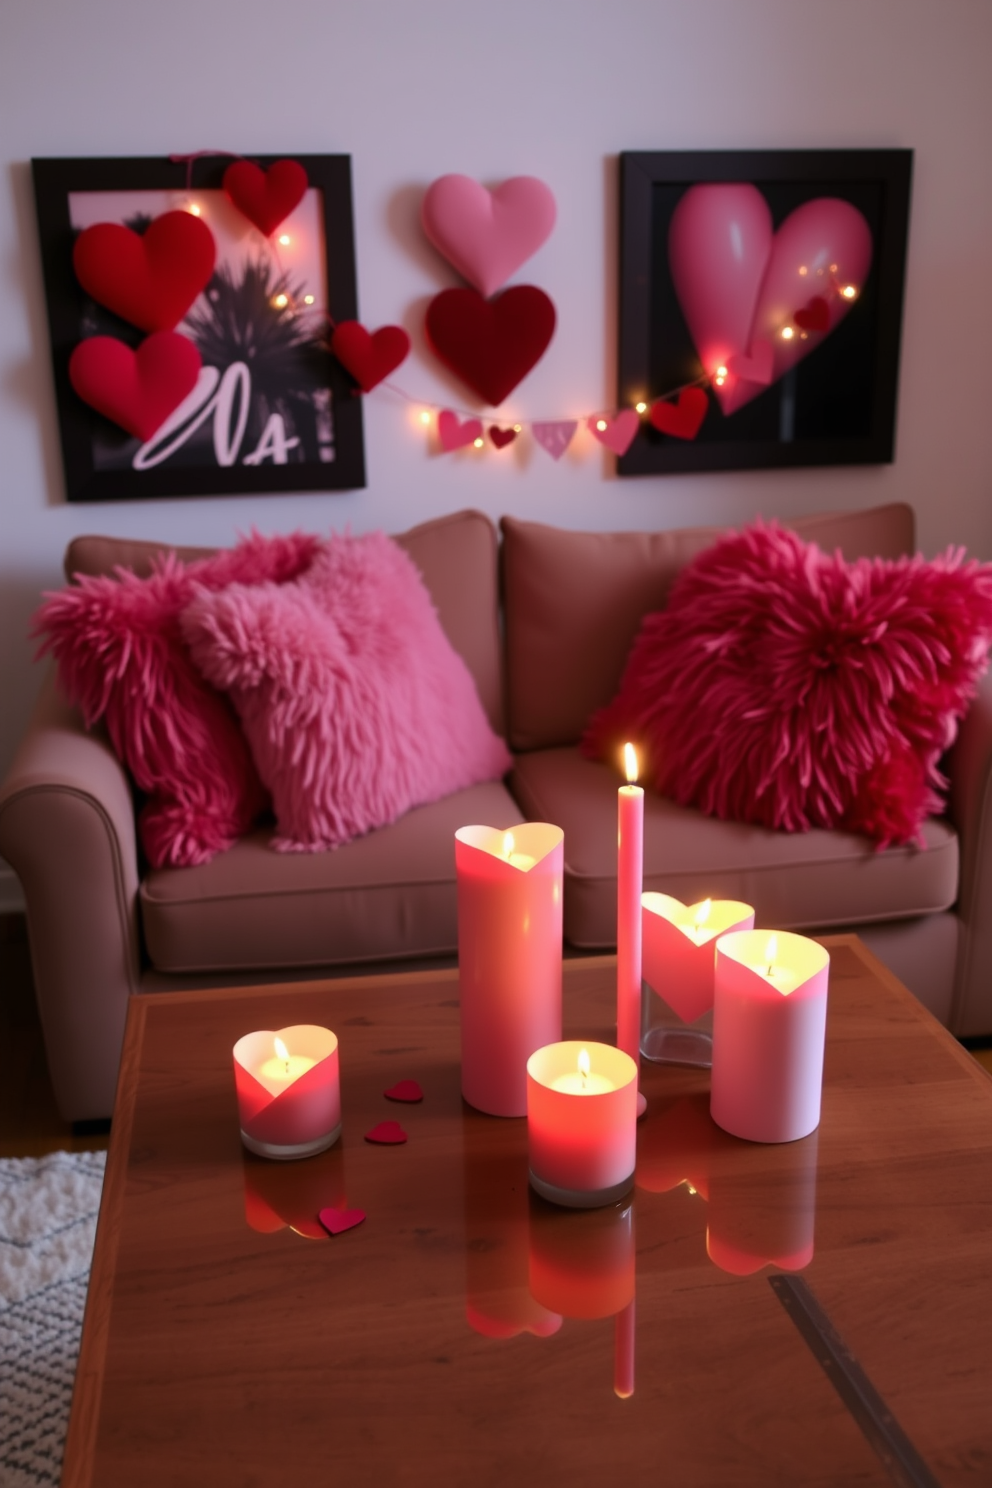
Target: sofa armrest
67,829
971,810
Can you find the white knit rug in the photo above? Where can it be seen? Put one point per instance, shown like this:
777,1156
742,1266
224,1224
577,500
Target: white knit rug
48,1209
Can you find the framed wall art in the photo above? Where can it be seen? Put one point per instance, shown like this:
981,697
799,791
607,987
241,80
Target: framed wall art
761,306
214,377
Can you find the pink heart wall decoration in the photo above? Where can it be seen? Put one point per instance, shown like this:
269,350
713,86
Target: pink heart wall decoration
618,430
453,433
740,283
486,234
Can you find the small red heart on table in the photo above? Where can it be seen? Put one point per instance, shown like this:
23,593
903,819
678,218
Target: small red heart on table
616,431
149,279
454,434
754,368
135,389
386,1134
369,356
336,1221
814,316
501,437
265,197
491,344
404,1090
683,419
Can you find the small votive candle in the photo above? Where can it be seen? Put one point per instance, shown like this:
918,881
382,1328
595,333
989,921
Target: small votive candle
769,1026
289,1090
581,1123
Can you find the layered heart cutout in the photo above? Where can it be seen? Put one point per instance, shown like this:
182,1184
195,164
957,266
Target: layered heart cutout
491,344
369,356
266,197
743,286
149,279
135,389
486,234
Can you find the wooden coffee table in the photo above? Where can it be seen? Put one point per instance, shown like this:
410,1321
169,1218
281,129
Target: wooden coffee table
221,1346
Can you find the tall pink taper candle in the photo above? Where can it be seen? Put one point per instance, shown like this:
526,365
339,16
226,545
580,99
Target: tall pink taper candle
630,881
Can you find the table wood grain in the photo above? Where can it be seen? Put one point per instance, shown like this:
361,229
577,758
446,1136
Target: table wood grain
219,1354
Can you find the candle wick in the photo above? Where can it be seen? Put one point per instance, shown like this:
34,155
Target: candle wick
771,969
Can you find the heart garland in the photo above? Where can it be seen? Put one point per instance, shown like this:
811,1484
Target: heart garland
683,419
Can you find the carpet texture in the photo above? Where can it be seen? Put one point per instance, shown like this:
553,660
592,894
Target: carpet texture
48,1210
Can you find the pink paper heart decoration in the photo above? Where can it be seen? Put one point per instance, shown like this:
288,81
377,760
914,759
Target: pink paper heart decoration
739,283
386,1134
485,234
404,1090
555,436
336,1221
454,434
618,429
754,368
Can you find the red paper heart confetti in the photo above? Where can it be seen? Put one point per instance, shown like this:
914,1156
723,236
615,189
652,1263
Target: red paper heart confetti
336,1221
386,1134
754,368
617,431
369,356
491,344
454,434
682,420
265,197
149,279
814,316
501,437
404,1090
135,389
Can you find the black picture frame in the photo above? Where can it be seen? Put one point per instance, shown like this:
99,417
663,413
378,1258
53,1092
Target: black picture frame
329,453
843,396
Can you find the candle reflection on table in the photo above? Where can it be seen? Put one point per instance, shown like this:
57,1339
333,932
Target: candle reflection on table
498,1302
281,1195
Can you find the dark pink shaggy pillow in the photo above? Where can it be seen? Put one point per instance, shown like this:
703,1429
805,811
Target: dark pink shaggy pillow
791,689
351,696
121,657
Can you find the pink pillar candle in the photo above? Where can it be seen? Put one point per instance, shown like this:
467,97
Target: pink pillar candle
630,882
289,1090
679,943
509,957
769,1024
581,1123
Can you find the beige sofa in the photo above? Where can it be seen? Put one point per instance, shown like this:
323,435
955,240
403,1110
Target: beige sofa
103,927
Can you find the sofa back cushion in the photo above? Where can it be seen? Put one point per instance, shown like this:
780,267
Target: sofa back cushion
574,602
455,554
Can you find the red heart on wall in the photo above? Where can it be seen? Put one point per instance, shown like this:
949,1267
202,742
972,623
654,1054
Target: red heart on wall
814,316
135,389
683,419
491,344
369,357
617,431
149,279
454,434
501,437
266,198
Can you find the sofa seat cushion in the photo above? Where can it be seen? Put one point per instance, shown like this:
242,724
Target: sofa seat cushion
385,896
795,881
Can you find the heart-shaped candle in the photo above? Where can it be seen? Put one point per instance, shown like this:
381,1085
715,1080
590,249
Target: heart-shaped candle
289,1092
678,947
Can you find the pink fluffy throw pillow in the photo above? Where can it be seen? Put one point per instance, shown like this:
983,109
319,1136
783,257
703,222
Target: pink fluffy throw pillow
351,696
789,688
121,657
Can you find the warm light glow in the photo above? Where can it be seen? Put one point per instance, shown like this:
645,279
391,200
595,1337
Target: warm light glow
584,1064
721,371
281,301
425,417
703,913
282,1052
194,208
630,763
308,299
849,292
285,239
803,270
508,844
641,407
601,425
479,443
771,951
787,333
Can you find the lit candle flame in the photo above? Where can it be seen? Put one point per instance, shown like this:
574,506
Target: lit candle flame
703,913
630,763
583,1064
282,1052
508,844
771,951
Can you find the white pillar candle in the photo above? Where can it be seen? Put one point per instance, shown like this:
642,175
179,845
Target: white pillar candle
769,1024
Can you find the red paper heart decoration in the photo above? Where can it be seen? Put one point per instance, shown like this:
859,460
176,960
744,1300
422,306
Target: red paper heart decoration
491,344
405,1090
369,356
814,316
501,437
683,419
454,434
618,430
149,279
135,389
386,1134
336,1221
266,198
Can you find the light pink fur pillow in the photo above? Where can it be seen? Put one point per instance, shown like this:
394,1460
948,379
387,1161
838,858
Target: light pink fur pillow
353,701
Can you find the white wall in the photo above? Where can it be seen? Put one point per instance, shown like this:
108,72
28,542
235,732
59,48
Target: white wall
413,89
